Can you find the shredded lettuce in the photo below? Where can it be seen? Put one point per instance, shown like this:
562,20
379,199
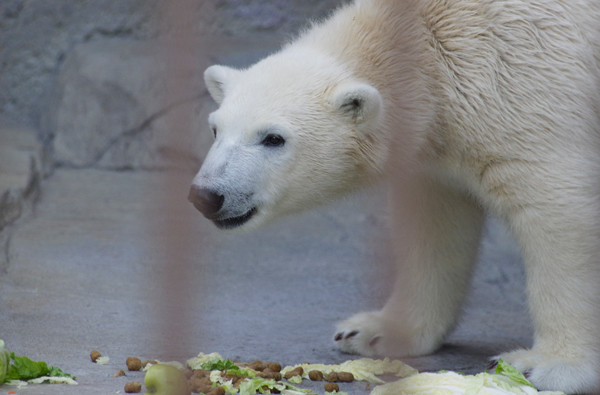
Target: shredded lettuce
53,380
219,364
197,362
103,360
251,385
512,373
23,368
443,383
295,379
20,368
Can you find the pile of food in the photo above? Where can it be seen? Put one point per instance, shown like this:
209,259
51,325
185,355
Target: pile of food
211,374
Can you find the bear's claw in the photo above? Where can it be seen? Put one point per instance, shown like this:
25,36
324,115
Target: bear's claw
492,364
342,336
360,334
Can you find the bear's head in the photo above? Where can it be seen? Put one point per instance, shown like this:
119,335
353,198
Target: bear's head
295,130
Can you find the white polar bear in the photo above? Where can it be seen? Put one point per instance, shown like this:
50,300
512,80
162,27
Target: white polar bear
466,105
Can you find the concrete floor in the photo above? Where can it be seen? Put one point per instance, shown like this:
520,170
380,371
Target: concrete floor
94,266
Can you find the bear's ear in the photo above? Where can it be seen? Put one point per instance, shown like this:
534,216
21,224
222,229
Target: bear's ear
359,101
217,78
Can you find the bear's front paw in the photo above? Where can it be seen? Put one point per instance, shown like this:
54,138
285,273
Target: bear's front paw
360,334
555,373
376,333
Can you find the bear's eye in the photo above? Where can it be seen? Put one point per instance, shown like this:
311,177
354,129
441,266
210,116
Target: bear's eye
214,130
273,140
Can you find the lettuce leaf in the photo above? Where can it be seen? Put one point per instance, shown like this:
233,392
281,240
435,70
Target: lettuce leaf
512,373
23,368
15,367
220,364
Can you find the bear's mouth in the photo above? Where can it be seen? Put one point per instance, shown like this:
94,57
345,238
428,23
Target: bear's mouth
234,222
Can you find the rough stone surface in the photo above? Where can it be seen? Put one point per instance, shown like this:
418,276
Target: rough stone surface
84,78
282,17
21,170
63,61
37,36
109,106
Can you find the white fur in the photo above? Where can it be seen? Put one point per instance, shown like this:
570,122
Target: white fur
469,105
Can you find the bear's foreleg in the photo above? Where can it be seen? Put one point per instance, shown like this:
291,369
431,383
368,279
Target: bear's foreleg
437,229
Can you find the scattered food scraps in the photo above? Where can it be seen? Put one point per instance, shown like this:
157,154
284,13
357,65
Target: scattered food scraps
133,363
363,369
211,374
133,387
94,355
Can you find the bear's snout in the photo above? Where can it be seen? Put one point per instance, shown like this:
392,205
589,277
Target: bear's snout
206,201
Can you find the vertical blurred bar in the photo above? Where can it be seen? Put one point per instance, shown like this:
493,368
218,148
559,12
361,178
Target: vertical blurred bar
177,51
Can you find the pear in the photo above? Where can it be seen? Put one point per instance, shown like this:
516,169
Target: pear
162,379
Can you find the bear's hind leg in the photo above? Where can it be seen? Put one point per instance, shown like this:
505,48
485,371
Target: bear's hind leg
437,231
561,250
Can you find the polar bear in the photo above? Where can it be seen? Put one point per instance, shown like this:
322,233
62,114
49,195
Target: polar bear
466,106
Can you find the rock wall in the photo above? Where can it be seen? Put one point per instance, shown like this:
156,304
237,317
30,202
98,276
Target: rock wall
97,83
87,76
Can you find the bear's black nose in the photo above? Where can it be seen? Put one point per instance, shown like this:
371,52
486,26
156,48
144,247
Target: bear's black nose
206,201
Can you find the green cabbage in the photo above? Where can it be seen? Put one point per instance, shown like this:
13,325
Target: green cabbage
507,381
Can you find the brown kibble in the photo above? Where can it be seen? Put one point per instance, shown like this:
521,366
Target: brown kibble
315,375
216,391
330,387
133,363
133,387
119,373
276,376
265,374
274,366
294,372
237,380
94,355
200,384
266,390
201,373
345,377
257,365
332,377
